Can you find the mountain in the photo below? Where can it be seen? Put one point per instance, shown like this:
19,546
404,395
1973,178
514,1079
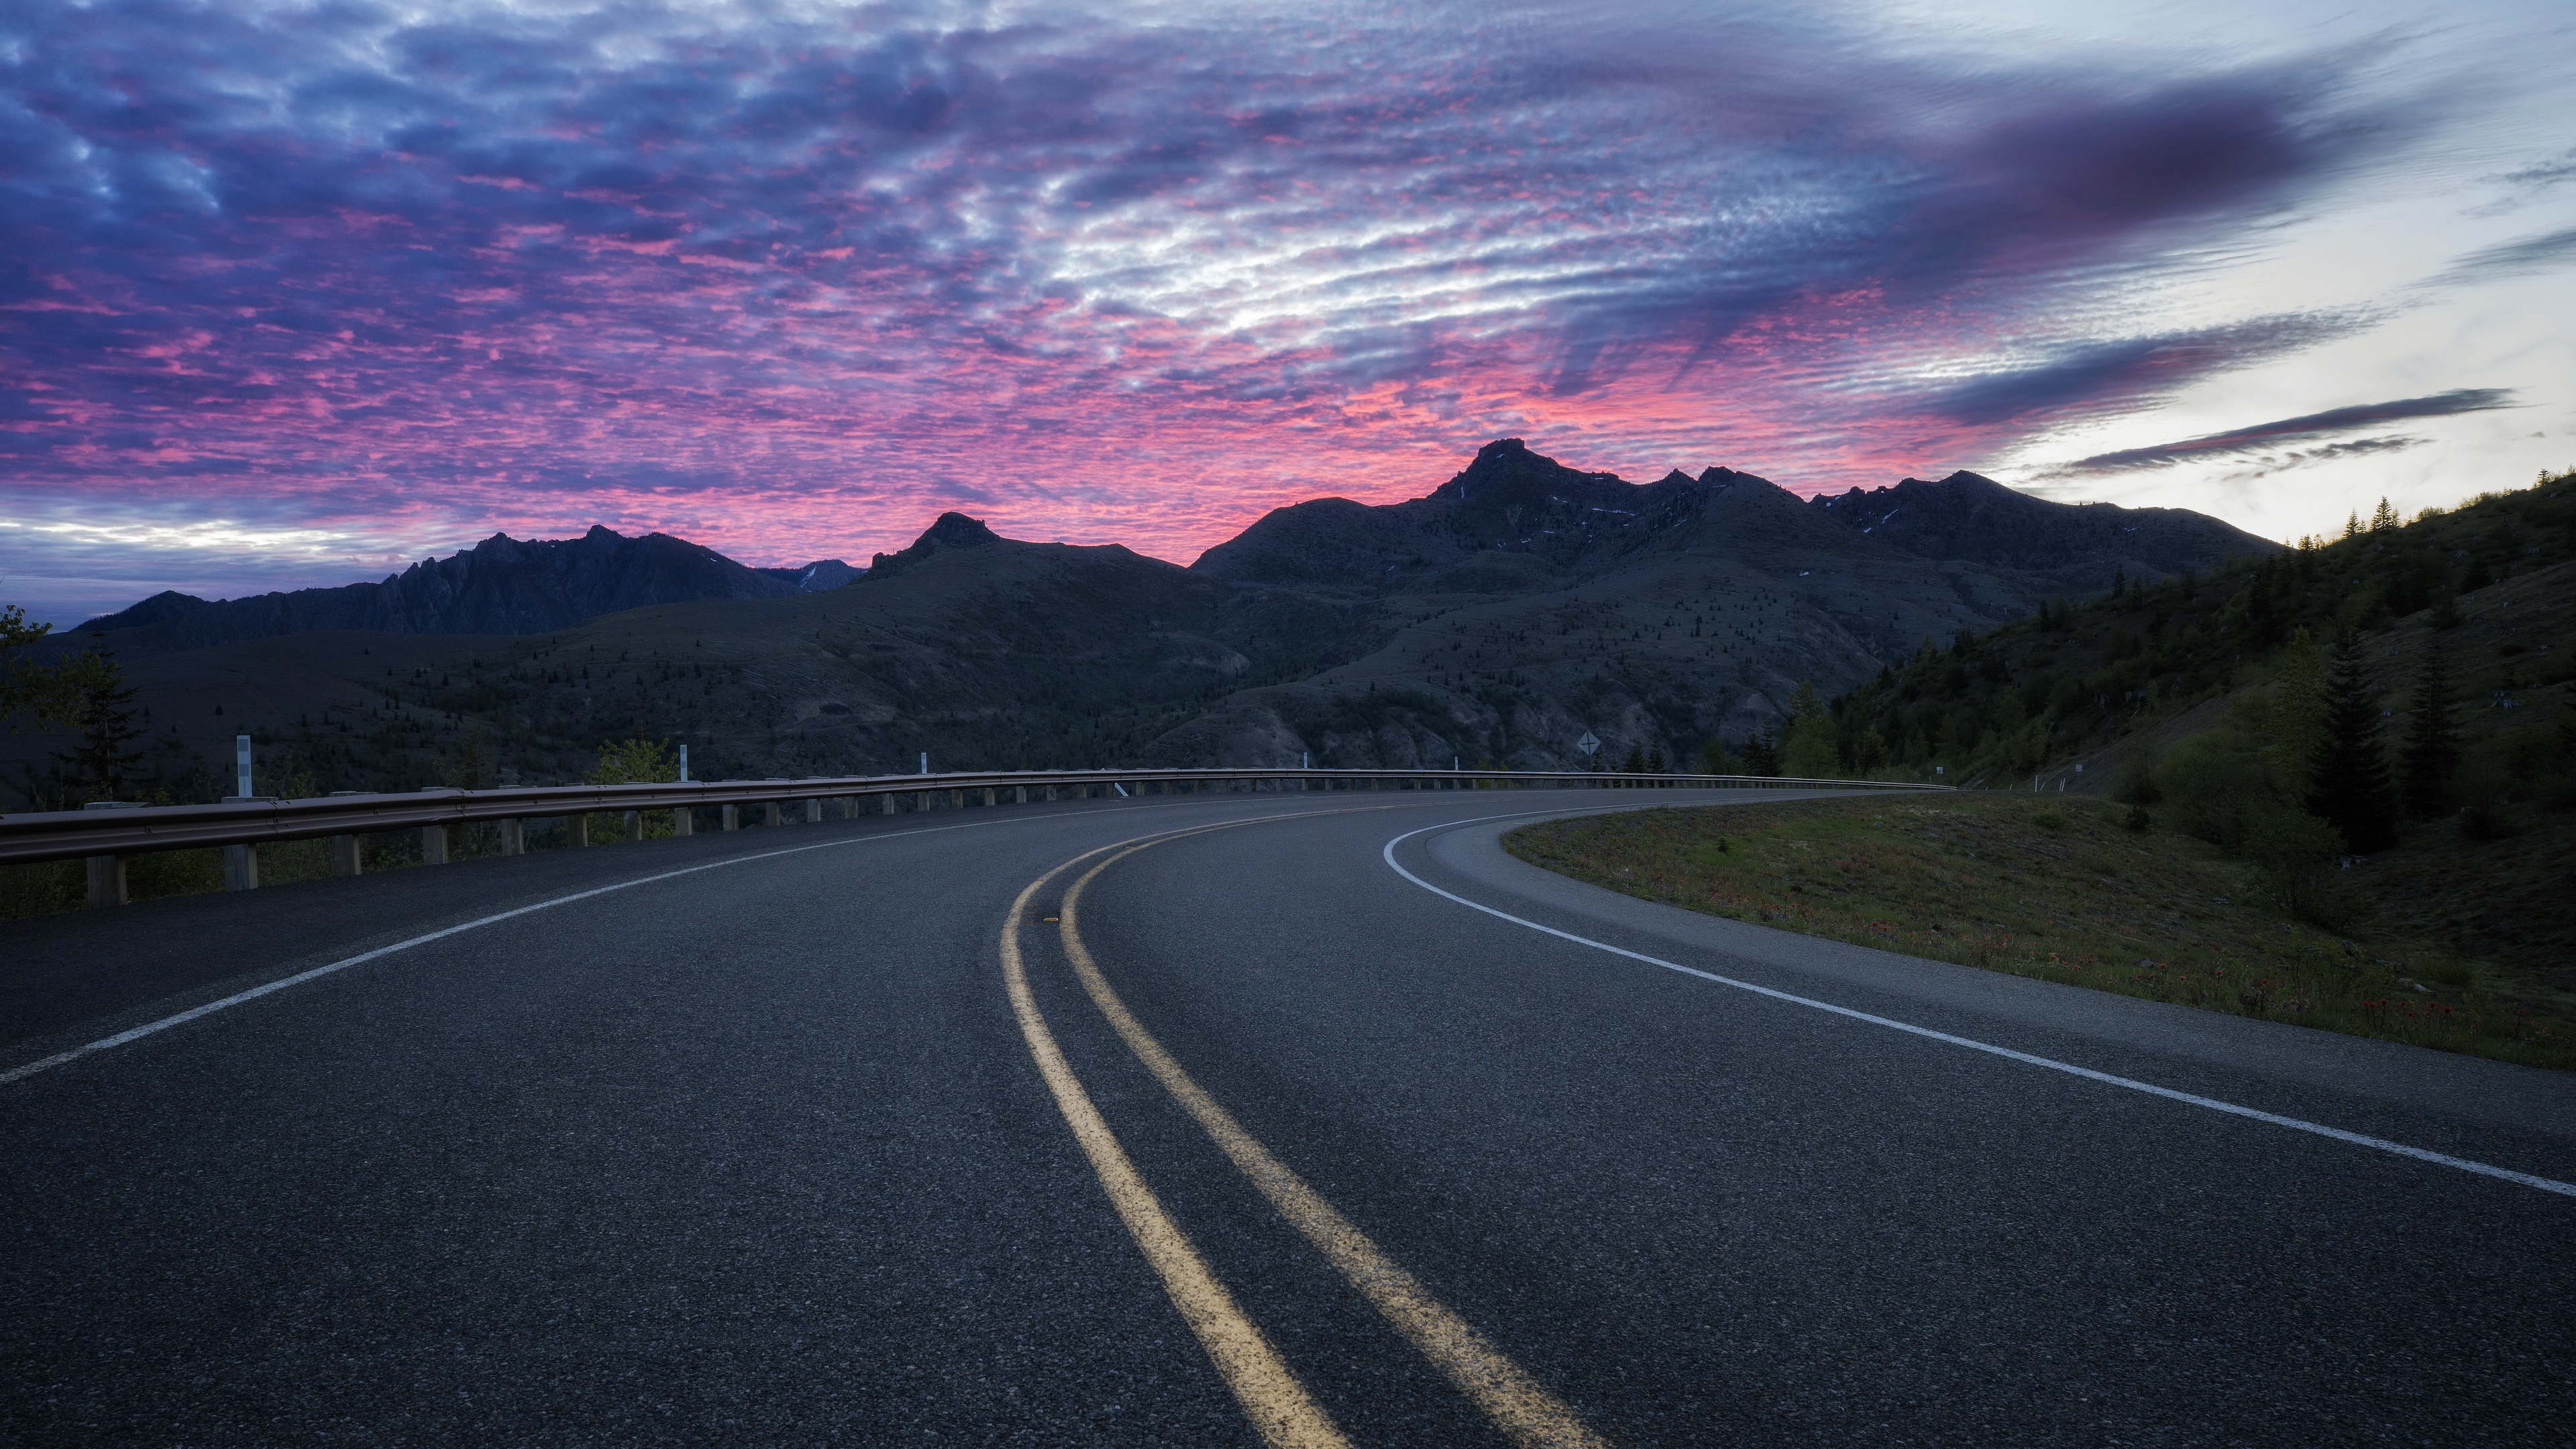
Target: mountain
502,585
1973,518
829,573
1494,619
1524,602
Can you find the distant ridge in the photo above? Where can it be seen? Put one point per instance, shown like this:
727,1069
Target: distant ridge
502,585
1971,517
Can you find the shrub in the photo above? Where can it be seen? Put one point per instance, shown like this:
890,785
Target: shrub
2294,855
2217,787
2135,783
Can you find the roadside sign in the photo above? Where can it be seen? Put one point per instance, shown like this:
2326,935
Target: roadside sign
1588,744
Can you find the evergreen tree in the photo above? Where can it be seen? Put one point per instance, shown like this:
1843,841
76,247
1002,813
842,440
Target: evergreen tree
51,694
2348,785
2432,748
1810,751
2298,714
105,761
1762,753
1716,759
2384,518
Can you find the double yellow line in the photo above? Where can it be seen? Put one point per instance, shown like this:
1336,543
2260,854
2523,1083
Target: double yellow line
1271,1395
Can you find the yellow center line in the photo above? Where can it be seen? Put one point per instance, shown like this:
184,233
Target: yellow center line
1518,1404
1272,1398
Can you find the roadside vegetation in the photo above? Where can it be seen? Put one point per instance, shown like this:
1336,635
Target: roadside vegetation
2065,889
2380,728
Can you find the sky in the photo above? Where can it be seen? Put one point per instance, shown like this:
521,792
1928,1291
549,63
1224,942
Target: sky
294,294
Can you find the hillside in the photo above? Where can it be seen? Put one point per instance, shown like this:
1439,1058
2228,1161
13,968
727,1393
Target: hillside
2182,697
500,586
2079,547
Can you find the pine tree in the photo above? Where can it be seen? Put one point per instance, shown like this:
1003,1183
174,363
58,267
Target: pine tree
1762,753
2298,714
2348,775
1809,750
105,761
2384,518
2432,748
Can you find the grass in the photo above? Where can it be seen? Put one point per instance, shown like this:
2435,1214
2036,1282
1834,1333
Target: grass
2058,890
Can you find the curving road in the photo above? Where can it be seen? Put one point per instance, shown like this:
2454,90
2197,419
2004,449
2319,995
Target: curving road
1304,1119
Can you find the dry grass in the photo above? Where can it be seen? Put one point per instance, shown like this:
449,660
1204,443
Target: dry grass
2055,888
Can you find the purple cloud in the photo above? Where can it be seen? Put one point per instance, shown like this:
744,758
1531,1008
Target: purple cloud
789,282
2313,425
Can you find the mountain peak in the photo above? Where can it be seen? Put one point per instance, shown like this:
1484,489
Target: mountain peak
956,530
948,532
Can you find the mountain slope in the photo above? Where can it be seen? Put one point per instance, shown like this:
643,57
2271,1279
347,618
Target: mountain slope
500,586
1975,519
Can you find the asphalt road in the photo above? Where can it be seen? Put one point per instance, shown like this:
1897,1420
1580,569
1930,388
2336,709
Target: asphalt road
766,1149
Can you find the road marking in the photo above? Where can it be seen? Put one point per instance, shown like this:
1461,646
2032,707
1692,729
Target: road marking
1517,1403
1270,1394
149,1028
2378,1144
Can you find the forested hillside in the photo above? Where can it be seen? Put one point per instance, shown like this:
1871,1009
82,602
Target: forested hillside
2076,678
2383,723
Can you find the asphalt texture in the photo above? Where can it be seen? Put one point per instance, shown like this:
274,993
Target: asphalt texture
757,1153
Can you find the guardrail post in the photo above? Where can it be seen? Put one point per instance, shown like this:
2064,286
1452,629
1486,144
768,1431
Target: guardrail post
577,830
888,798
684,820
634,825
1024,794
107,880
732,817
769,815
956,799
433,845
241,867
514,837
921,801
814,812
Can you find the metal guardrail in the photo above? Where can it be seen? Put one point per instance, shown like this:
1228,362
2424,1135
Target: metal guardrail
72,834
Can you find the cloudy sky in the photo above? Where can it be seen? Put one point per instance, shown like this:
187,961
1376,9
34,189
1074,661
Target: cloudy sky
295,293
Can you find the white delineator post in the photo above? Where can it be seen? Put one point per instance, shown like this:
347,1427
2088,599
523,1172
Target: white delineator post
241,862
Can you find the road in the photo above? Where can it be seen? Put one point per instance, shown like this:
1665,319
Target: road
864,1133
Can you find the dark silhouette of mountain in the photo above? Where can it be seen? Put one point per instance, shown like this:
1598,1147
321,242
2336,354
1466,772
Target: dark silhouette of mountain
500,586
1511,520
829,573
1493,620
1974,518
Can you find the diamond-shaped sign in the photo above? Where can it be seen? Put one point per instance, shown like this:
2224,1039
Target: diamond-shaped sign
1588,744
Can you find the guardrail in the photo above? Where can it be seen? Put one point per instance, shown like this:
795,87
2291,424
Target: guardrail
105,834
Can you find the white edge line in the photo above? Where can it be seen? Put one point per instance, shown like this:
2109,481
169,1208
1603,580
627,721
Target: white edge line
132,1034
2357,1139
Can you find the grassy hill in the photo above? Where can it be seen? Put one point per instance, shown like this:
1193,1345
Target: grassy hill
2180,698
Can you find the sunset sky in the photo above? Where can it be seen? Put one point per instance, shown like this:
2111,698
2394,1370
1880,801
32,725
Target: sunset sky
296,294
